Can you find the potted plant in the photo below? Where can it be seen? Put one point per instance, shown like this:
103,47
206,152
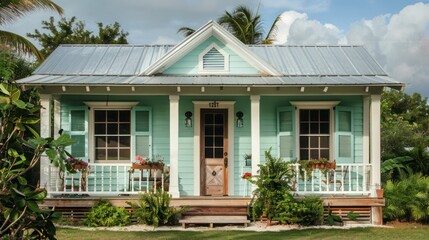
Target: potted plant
248,159
379,191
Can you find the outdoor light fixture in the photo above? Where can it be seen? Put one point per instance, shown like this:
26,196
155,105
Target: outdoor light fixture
239,119
188,120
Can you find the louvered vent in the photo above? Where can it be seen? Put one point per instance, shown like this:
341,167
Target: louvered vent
213,60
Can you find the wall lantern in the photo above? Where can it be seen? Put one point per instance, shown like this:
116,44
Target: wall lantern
188,120
239,119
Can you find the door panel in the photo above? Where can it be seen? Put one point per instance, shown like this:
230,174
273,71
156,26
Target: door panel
214,152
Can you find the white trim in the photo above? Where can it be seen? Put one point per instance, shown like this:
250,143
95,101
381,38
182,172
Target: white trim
198,105
174,146
57,118
225,69
255,134
374,138
108,104
316,105
211,29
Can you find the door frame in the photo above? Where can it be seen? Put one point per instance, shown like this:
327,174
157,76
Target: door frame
203,164
198,105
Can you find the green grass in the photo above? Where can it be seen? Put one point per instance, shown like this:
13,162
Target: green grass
401,231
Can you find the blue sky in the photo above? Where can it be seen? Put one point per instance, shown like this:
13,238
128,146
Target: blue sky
395,32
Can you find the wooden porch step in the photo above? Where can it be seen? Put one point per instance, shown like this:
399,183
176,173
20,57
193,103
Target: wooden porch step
211,220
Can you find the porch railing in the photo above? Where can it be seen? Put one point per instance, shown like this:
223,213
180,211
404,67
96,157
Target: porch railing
345,179
350,178
104,179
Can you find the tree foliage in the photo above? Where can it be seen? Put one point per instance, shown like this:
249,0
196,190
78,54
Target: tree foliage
72,31
11,10
21,148
245,24
13,67
404,123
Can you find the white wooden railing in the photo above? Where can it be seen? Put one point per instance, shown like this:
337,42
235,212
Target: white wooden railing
104,180
345,179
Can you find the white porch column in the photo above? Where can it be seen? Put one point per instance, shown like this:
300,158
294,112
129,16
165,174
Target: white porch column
45,131
375,155
174,146
375,146
255,132
57,118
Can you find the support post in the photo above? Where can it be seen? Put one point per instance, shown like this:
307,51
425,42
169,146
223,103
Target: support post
375,155
174,146
45,132
255,133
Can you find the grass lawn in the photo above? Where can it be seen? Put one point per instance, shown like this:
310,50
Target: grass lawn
400,231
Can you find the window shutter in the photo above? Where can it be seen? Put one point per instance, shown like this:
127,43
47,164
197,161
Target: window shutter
77,127
286,132
213,60
344,134
141,132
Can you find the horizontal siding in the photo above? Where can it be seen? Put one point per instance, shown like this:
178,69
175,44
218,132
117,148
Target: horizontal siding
189,63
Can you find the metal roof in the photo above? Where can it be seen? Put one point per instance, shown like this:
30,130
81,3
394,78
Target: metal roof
123,64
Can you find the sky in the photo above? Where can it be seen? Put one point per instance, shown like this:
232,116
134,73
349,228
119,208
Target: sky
395,32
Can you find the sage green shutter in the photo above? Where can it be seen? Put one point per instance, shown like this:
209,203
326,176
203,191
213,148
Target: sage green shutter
344,134
141,132
78,130
286,132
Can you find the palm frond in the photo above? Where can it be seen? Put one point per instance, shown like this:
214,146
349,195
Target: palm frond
11,10
186,31
272,33
19,44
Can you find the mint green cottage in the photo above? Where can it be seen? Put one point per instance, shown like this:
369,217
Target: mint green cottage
204,103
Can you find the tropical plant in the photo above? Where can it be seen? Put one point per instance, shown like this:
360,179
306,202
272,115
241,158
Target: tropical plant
154,209
273,181
11,10
408,199
103,213
21,148
244,24
73,31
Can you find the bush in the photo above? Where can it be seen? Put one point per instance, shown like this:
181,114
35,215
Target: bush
408,199
154,209
273,182
105,214
306,211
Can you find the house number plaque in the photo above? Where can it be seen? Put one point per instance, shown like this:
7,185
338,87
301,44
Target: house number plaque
214,104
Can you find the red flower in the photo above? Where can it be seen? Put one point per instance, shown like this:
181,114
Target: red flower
246,175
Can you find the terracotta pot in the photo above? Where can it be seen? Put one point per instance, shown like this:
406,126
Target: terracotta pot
380,193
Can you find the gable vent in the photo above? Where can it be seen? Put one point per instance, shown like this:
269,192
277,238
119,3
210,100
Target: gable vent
213,60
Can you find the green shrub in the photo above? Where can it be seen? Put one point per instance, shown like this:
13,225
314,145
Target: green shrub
306,211
274,180
105,214
154,209
407,199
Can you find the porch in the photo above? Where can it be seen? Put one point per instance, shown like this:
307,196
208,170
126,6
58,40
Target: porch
102,179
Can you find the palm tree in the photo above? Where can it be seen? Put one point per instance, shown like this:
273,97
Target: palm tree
244,24
11,10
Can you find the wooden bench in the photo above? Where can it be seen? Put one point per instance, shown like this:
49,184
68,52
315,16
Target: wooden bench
211,220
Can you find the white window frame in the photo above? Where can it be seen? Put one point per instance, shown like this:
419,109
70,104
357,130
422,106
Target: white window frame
104,106
330,105
226,60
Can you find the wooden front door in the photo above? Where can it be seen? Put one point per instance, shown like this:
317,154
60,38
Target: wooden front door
214,152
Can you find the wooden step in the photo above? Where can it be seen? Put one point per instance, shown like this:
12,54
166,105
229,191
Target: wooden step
211,220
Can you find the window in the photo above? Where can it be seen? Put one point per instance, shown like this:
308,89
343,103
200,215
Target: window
213,60
314,134
112,135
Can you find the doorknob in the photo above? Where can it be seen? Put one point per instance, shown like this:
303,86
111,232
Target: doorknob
225,154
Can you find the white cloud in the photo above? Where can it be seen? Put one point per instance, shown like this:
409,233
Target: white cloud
299,5
399,42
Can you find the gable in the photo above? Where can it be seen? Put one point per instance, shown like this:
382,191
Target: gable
190,64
